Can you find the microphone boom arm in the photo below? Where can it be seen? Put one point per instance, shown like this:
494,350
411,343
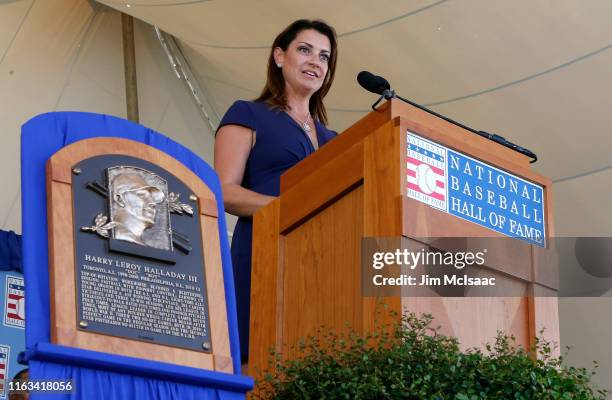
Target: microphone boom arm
390,94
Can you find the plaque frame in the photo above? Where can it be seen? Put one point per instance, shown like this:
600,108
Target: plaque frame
62,259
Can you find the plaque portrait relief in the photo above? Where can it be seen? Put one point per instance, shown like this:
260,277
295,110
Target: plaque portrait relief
138,208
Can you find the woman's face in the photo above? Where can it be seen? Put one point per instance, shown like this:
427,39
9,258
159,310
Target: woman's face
305,62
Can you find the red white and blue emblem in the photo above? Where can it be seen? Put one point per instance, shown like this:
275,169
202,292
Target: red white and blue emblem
426,172
14,313
4,360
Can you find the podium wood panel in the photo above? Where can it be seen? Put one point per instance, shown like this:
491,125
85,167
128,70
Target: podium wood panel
321,187
485,316
266,287
320,286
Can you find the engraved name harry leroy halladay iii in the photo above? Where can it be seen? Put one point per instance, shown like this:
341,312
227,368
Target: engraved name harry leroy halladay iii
141,276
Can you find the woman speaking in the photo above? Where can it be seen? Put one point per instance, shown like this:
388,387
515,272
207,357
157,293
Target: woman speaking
259,140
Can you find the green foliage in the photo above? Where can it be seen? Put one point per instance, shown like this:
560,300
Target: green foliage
412,360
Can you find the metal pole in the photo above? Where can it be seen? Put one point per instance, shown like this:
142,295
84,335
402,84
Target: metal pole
129,64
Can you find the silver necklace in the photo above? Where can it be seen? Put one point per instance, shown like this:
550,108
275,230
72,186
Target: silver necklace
305,127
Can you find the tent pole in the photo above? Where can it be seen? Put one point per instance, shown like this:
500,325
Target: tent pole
129,66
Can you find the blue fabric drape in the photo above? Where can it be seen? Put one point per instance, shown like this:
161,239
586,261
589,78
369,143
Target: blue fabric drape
41,137
90,383
10,251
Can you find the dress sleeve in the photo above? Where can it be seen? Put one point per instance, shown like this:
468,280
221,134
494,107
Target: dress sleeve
240,113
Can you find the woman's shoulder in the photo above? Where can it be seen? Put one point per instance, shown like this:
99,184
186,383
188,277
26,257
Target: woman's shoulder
241,112
250,114
240,106
253,108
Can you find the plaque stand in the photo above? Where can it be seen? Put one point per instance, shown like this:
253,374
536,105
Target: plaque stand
57,345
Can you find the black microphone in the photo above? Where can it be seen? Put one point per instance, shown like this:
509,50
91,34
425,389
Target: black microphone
379,85
373,83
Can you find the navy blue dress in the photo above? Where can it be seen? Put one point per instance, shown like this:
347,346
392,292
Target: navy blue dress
280,144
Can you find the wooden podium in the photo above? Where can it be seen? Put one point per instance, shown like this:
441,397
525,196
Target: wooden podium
306,268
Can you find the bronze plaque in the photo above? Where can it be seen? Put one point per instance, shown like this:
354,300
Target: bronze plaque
139,262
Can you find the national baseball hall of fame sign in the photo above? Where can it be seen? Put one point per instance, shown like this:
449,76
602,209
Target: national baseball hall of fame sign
140,279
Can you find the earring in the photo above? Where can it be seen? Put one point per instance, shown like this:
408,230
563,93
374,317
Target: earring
279,65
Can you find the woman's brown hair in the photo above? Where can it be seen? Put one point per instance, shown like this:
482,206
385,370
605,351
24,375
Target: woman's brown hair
273,92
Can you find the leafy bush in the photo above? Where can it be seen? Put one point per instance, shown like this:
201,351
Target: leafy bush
412,360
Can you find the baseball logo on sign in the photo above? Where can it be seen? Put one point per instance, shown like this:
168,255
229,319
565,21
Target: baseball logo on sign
14,313
426,172
426,178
